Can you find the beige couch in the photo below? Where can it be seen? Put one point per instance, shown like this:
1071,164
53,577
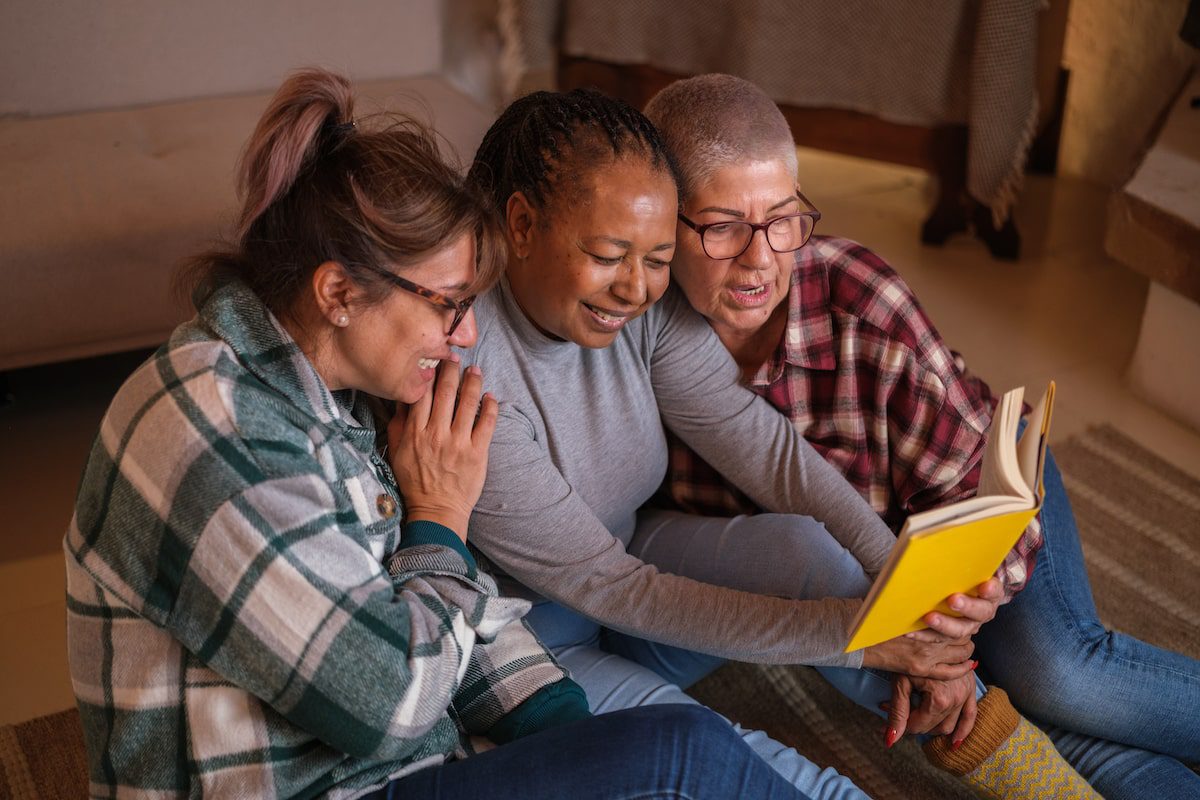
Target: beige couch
99,208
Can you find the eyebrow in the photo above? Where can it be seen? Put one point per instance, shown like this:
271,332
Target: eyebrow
625,243
735,213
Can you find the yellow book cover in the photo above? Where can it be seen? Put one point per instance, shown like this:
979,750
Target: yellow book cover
957,547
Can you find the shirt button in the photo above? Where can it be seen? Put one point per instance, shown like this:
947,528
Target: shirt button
386,505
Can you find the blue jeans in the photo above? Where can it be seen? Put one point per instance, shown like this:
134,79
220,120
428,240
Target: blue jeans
1117,708
620,671
1036,649
654,752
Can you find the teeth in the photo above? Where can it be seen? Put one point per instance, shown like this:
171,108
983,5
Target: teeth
605,317
428,363
758,290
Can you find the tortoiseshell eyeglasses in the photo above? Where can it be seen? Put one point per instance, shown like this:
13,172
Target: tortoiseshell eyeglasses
459,308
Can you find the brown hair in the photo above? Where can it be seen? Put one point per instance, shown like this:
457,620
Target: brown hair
317,186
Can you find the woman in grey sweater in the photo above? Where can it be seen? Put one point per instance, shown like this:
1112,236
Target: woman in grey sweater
592,357
263,601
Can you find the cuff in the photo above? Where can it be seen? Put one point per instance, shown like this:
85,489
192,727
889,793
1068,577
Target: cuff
422,532
557,704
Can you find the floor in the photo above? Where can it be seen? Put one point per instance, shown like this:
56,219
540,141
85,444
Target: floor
1063,312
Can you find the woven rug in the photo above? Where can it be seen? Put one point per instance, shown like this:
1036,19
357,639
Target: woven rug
1139,519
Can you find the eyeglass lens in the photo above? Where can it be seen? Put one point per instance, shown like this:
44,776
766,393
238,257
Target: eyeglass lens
730,239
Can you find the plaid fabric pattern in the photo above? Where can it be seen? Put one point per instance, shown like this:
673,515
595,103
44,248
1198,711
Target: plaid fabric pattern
866,378
232,629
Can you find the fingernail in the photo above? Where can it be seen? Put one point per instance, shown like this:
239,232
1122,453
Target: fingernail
975,665
474,369
957,744
454,357
892,736
956,603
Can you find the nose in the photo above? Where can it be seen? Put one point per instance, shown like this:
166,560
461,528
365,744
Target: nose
466,333
758,254
630,283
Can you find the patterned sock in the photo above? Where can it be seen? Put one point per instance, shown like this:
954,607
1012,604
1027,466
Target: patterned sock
1006,756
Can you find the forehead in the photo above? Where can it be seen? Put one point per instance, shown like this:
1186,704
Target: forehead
746,181
453,266
625,187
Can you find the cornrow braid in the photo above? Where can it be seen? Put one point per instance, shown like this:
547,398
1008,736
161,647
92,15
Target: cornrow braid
544,142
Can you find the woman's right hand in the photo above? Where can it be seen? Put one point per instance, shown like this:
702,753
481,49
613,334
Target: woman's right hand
438,448
943,660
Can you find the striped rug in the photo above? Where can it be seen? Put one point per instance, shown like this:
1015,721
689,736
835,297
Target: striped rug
1139,519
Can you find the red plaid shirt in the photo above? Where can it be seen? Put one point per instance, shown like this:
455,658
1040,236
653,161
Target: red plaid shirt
868,381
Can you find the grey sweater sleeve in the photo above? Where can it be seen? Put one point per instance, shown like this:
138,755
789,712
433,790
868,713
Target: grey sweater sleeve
534,525
699,397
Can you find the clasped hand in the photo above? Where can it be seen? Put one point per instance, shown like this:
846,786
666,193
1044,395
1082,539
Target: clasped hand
935,662
438,448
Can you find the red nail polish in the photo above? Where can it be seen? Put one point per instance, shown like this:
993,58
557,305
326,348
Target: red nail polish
957,744
975,665
892,736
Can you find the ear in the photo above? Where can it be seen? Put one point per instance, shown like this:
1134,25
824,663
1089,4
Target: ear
334,291
520,222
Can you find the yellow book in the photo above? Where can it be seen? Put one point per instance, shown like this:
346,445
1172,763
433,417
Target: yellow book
955,548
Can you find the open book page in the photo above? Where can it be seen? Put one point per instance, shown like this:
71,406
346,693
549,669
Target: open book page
1001,473
1031,450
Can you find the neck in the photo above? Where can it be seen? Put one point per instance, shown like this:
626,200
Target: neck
314,341
751,348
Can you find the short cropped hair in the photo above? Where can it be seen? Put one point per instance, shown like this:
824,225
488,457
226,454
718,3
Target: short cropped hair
712,121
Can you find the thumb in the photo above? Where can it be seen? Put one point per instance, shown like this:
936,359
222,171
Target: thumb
898,712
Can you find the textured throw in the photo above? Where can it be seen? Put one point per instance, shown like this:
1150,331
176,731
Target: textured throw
923,64
1141,541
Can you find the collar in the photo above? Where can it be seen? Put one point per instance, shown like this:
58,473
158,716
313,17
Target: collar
808,341
264,348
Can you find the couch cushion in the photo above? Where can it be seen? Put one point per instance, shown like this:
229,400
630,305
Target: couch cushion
100,208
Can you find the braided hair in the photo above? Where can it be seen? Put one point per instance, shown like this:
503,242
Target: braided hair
546,142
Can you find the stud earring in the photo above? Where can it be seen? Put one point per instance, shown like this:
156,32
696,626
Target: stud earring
342,320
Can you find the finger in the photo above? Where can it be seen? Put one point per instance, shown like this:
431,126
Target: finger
966,721
418,412
990,590
951,627
973,608
468,401
898,714
949,672
395,428
481,434
445,392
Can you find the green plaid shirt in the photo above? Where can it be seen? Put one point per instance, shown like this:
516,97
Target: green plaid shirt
247,616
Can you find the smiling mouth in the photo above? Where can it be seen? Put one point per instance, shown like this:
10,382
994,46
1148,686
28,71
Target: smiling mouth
607,319
428,363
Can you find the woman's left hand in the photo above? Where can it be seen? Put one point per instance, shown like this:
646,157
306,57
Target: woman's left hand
975,611
945,707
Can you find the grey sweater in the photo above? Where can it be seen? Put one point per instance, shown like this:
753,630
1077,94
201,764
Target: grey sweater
579,447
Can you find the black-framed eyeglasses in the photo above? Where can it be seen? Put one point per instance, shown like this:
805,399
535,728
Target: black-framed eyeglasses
458,307
725,240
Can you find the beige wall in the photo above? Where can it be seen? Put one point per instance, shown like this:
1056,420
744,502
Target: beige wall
1127,62
60,56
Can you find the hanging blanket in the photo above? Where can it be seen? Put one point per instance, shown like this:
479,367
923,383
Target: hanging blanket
966,62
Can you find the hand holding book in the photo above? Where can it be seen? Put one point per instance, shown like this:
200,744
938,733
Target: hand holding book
951,550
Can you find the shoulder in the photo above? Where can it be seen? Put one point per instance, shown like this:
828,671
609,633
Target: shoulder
865,289
196,401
